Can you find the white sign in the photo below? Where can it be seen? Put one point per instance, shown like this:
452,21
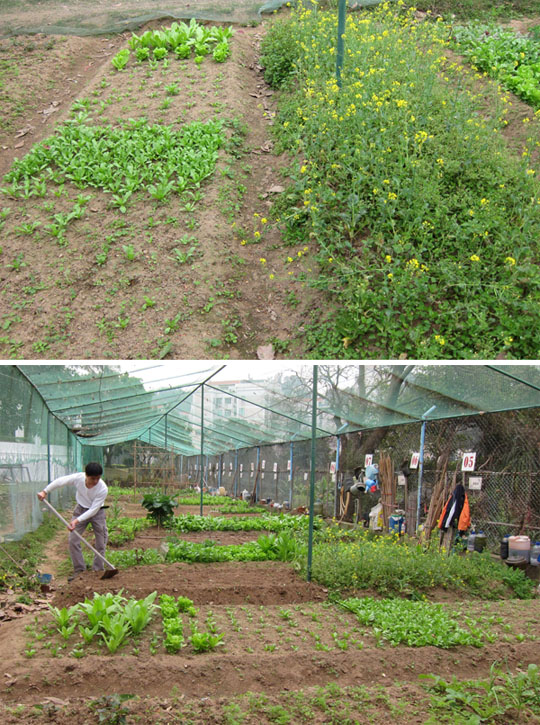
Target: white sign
241,467
401,480
475,483
289,464
263,465
275,467
415,458
252,466
368,460
469,462
262,474
333,467
305,475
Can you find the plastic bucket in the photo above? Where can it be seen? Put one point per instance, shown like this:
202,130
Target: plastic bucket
519,547
535,554
479,541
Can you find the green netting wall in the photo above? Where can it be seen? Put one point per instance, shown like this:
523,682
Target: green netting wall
33,445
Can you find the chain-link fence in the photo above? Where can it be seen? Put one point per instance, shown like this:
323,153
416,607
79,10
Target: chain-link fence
503,489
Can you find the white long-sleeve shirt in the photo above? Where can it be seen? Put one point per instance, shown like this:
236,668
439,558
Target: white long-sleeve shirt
89,498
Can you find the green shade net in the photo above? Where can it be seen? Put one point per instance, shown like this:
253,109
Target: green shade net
161,404
56,418
81,17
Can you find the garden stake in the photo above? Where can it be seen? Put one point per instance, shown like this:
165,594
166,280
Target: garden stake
108,572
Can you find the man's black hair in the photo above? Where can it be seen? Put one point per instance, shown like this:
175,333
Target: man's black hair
93,469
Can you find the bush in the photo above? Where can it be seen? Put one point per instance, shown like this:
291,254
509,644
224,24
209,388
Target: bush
404,568
160,506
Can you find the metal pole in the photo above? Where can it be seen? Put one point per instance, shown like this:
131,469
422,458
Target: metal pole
202,445
338,451
166,430
421,463
236,472
48,447
258,478
291,478
220,468
312,478
340,40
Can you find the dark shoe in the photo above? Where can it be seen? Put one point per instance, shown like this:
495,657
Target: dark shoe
74,576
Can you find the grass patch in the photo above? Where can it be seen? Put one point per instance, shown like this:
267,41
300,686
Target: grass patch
28,552
426,226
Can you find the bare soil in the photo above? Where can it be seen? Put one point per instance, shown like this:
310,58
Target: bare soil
283,639
236,294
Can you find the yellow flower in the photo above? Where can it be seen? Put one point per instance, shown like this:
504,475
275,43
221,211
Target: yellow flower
264,220
388,258
303,169
510,260
474,258
390,275
330,259
243,242
262,260
271,276
484,202
440,339
256,234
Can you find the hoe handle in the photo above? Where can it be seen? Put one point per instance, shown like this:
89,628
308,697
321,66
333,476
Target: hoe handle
59,516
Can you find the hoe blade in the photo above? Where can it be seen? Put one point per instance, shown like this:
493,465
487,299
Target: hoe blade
108,573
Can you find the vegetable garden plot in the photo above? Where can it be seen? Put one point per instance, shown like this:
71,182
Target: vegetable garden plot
137,255
181,632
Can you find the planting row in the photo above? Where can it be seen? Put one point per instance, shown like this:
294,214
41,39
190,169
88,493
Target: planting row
182,39
427,225
174,623
511,58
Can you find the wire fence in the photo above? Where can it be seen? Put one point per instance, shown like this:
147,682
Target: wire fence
503,488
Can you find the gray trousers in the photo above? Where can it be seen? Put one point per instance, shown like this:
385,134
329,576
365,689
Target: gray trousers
99,527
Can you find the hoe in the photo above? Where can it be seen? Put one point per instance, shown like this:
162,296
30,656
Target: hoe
108,572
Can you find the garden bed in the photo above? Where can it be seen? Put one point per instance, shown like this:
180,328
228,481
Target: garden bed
191,284
298,653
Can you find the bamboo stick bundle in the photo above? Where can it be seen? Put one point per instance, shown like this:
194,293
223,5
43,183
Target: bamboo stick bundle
388,487
445,486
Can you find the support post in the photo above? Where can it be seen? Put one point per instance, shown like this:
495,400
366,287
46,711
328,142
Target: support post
202,446
338,452
421,463
342,9
312,473
257,474
48,447
291,477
